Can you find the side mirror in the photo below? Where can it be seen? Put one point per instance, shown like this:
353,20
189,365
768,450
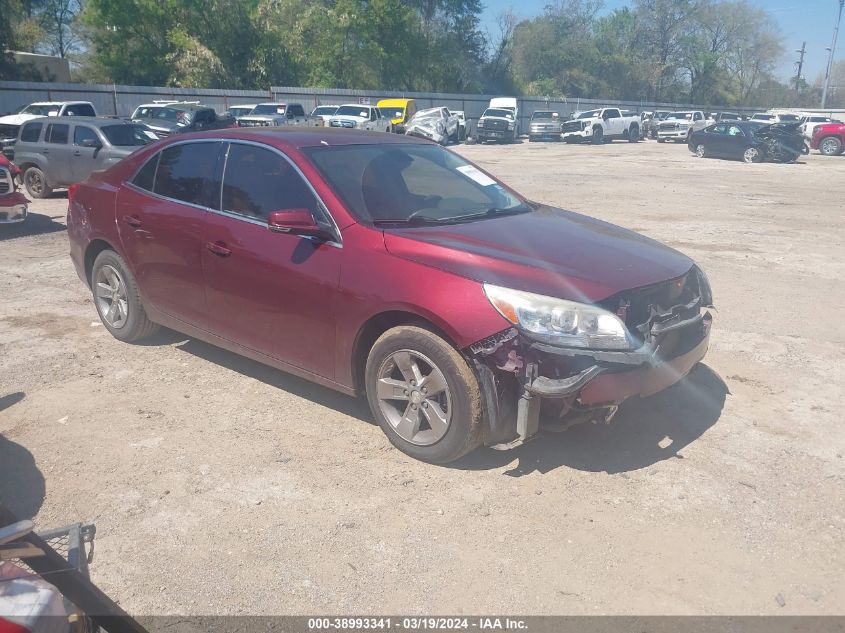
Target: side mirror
295,222
91,142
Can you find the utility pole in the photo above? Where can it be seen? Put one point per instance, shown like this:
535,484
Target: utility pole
832,51
800,63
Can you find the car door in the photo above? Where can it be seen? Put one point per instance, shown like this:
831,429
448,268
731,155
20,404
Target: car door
713,139
87,154
271,292
161,219
614,122
57,151
735,141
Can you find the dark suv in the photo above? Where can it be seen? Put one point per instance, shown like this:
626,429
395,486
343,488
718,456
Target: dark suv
54,153
185,117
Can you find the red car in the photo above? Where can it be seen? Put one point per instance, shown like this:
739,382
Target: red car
388,266
13,204
829,138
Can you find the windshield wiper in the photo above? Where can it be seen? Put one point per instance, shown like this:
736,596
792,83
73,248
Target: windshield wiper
490,212
412,220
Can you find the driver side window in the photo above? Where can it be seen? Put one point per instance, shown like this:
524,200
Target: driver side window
258,181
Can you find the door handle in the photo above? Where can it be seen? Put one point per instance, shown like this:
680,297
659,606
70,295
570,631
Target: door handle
45,151
219,248
132,220
77,153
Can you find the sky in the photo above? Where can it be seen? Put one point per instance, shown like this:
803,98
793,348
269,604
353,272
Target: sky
800,21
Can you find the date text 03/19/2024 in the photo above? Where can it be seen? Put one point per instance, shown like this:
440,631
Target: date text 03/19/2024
416,624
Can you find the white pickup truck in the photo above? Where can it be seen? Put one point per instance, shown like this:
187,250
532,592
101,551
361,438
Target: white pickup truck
500,121
679,125
599,126
362,117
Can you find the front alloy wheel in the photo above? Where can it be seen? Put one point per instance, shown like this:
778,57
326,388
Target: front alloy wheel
751,155
830,146
424,394
414,398
700,151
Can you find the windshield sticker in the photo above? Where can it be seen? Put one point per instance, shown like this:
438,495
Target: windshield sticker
474,174
151,135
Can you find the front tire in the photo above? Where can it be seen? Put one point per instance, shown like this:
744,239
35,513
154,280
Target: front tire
752,155
598,136
830,146
634,134
700,151
36,183
423,394
661,140
117,299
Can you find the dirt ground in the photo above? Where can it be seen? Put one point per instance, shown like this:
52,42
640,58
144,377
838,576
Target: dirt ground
220,486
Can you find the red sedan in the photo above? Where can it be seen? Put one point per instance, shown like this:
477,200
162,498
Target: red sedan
388,266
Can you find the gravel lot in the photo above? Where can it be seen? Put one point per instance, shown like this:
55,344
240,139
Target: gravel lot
221,486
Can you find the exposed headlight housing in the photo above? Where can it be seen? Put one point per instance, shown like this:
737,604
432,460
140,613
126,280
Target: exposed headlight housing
558,321
480,123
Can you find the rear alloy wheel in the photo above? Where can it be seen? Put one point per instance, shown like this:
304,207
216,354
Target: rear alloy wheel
423,394
830,146
751,155
700,151
35,183
117,299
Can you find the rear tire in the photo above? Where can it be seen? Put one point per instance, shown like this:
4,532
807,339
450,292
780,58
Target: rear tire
117,299
36,183
752,155
661,140
432,427
830,146
700,151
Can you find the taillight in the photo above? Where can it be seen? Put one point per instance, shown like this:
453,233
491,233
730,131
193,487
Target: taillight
71,192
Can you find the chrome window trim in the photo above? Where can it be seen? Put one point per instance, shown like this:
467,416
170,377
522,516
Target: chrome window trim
338,243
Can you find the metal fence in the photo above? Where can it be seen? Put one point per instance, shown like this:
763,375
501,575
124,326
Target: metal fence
122,100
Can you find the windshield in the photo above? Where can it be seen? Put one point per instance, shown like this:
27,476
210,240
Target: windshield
128,135
176,115
498,112
680,115
661,115
730,115
240,110
410,184
589,114
351,110
790,117
324,110
763,117
544,115
436,113
269,108
41,110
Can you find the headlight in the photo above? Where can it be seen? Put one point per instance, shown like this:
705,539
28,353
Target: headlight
558,321
480,123
510,125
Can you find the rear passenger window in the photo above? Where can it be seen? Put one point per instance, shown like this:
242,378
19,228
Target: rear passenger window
185,173
145,178
57,133
31,132
80,109
258,181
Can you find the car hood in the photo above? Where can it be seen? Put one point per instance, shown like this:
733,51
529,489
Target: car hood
159,124
548,251
348,117
261,117
17,119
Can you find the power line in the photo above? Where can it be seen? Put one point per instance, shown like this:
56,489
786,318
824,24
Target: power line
832,51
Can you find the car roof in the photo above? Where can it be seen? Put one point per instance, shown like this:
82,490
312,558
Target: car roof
357,105
96,121
393,102
44,103
297,137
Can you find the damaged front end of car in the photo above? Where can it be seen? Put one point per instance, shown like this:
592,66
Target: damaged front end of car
429,128
14,206
529,377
